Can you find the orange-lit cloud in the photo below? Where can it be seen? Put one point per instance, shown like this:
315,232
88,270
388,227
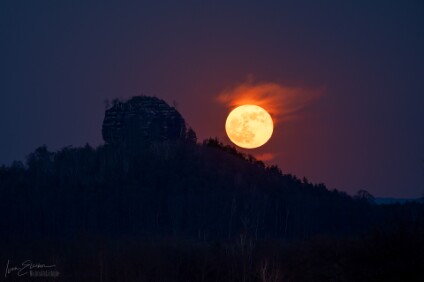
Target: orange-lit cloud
282,102
265,156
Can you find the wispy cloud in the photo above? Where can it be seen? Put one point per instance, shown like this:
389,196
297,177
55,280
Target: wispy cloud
265,156
282,102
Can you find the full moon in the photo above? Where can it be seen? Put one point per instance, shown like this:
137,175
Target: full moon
249,126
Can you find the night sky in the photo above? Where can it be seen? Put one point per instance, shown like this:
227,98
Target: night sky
348,77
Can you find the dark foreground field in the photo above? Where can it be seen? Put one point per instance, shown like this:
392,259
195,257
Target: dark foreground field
394,257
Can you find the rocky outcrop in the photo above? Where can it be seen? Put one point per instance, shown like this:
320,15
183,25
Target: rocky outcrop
143,118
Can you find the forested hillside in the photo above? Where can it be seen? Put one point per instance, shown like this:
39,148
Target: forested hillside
156,209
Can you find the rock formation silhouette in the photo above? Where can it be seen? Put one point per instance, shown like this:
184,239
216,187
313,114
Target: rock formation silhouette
143,118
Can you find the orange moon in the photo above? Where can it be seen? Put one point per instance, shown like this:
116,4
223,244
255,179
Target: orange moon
249,126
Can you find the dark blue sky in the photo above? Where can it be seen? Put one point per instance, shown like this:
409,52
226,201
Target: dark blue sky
61,60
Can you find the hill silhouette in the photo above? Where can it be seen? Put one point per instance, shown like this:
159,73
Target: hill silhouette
182,210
